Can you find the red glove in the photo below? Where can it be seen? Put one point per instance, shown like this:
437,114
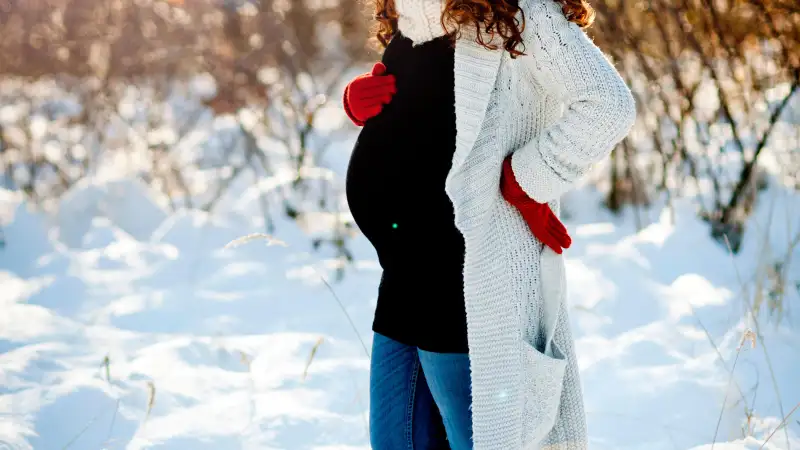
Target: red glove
365,96
539,217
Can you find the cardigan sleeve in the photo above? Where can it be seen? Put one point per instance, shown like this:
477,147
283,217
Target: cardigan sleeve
599,109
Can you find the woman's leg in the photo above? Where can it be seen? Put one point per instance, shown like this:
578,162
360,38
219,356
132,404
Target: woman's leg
448,377
402,413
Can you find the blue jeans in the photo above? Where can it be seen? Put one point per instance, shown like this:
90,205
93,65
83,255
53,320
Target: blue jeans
418,400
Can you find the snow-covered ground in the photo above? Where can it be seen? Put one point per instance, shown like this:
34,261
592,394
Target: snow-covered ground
123,326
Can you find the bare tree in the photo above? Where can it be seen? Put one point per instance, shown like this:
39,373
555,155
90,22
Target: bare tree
712,79
76,67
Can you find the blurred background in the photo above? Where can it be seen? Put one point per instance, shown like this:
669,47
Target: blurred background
178,267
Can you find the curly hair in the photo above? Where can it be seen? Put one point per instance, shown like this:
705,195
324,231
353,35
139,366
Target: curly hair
490,17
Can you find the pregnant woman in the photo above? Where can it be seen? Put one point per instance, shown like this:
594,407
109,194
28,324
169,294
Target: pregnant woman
481,114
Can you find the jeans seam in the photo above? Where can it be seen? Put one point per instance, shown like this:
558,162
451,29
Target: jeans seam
410,406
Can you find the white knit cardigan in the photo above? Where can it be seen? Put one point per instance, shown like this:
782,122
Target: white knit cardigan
558,109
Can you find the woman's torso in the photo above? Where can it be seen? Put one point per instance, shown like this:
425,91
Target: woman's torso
396,193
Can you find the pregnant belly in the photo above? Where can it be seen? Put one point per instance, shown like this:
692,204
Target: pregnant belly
373,186
403,211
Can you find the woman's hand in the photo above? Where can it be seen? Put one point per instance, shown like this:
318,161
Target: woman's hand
366,95
539,217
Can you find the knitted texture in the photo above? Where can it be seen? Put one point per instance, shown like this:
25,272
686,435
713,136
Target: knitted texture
541,220
420,20
557,110
365,96
347,110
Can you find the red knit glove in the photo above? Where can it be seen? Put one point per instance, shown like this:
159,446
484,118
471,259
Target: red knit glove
365,96
539,217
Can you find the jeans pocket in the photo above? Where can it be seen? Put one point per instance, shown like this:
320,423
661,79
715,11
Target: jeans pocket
543,384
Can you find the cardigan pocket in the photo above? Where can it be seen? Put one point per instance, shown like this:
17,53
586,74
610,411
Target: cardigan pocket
543,384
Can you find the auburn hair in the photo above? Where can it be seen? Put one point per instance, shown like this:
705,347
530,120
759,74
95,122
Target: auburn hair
491,18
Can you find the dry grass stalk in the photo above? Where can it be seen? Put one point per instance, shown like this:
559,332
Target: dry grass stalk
755,321
781,425
151,400
311,356
269,240
748,336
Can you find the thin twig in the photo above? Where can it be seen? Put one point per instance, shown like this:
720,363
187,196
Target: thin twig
113,421
344,310
783,422
747,171
257,236
758,333
725,399
80,433
714,346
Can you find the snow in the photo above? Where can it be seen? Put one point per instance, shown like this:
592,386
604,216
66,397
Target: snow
125,326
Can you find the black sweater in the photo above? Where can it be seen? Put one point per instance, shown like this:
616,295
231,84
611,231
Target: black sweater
395,190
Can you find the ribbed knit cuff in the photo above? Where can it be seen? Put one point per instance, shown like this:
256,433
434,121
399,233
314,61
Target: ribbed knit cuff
347,111
511,189
536,177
